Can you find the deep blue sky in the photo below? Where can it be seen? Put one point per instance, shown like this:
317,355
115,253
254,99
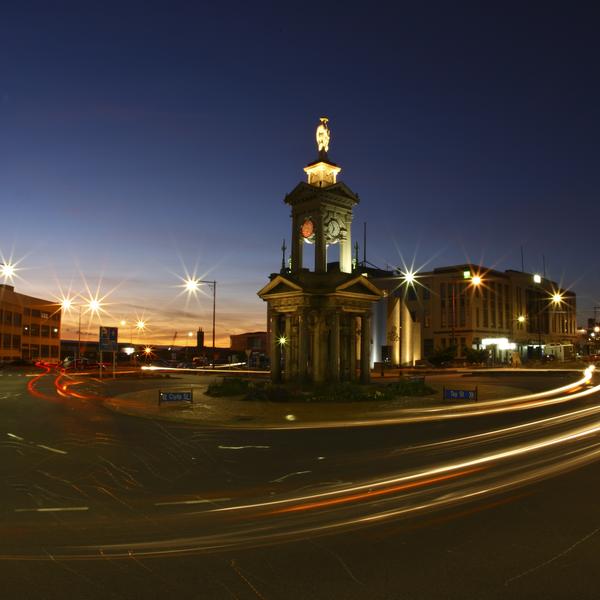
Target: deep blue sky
136,138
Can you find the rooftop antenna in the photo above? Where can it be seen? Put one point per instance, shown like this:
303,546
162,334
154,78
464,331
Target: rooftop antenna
522,261
283,249
365,244
544,265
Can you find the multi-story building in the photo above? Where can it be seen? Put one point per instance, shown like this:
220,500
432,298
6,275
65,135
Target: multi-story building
467,306
29,327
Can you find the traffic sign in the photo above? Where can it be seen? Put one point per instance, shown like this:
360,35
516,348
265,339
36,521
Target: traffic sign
109,339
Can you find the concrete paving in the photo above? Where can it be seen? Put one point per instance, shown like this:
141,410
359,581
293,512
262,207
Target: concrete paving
236,412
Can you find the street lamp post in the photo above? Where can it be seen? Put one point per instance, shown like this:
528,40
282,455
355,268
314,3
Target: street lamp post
93,305
192,285
475,282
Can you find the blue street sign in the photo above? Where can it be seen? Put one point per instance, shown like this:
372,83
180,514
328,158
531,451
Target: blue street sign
460,394
108,339
175,396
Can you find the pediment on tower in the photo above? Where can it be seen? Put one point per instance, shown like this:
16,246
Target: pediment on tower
360,285
279,286
339,194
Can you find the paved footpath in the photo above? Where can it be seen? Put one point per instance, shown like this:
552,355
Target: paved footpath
235,412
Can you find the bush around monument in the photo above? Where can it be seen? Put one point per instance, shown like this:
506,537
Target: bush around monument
265,391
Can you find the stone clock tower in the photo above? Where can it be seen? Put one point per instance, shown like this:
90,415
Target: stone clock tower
320,319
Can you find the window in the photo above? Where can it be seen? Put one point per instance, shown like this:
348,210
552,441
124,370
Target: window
427,319
426,293
34,329
53,351
25,329
45,331
45,351
6,340
16,342
7,317
17,319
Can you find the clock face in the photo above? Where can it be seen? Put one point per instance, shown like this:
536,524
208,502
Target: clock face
307,229
333,228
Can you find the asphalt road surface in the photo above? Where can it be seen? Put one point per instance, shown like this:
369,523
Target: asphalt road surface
499,504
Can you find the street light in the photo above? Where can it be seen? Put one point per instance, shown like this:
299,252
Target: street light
192,286
475,281
8,271
92,305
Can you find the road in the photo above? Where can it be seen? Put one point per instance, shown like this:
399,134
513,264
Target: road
94,504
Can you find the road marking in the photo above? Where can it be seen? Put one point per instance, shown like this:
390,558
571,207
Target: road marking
15,437
51,449
240,447
201,501
54,509
289,475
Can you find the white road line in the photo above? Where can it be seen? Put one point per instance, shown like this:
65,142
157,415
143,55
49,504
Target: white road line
201,501
15,437
54,509
289,475
51,449
240,447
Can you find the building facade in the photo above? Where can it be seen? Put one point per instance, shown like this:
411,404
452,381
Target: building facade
255,341
29,327
468,306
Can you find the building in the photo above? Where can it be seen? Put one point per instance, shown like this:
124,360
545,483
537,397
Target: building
253,342
319,320
468,306
29,327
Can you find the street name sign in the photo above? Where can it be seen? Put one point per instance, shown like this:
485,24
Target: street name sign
187,396
450,394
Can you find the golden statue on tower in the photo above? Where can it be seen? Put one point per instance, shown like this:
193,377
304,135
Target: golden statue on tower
323,136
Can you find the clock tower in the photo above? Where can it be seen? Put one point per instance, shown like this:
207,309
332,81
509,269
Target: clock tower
319,321
322,210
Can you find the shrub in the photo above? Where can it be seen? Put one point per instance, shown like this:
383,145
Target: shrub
230,386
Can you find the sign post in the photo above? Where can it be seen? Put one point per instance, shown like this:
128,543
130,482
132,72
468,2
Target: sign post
108,342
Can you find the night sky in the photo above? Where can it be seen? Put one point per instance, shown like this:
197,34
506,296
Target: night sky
138,140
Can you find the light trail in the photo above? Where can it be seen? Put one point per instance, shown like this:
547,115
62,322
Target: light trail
472,467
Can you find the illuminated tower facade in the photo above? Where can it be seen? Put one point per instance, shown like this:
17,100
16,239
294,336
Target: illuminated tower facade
319,319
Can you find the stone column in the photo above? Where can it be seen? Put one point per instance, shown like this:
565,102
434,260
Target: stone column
365,349
317,353
302,345
352,346
346,247
287,348
320,246
275,349
335,347
297,242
